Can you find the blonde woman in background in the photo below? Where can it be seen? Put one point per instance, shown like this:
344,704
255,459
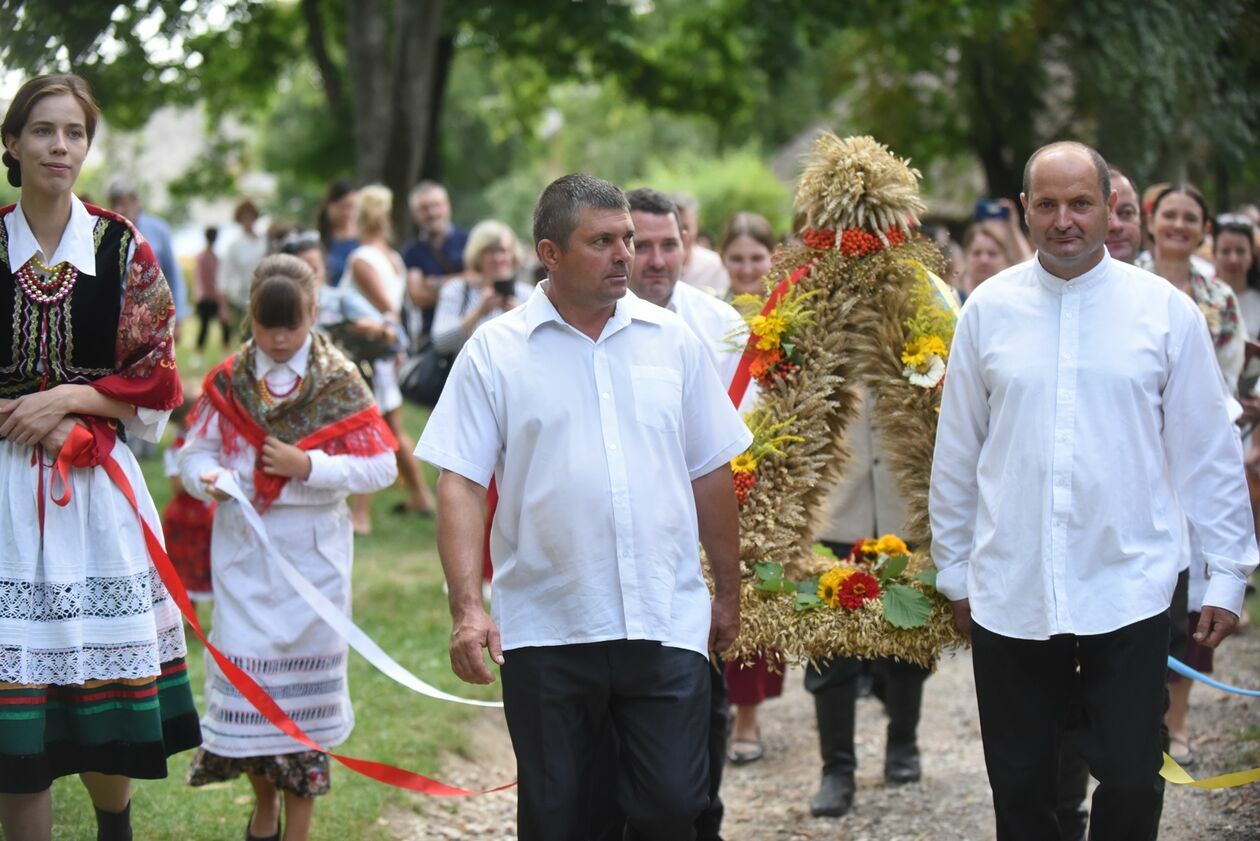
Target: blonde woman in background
375,270
490,287
988,248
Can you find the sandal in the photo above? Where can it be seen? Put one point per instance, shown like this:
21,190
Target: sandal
744,751
1180,751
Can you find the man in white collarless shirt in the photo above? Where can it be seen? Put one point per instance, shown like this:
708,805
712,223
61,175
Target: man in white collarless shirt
1082,415
609,437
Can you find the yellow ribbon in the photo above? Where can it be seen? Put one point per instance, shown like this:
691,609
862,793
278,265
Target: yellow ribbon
1177,775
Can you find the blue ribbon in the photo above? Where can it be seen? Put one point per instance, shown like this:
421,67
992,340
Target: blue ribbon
1185,671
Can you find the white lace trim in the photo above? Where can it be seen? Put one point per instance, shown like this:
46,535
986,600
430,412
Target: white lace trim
92,662
45,601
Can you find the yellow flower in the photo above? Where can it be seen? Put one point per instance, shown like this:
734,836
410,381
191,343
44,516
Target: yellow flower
769,330
829,584
891,544
743,463
919,351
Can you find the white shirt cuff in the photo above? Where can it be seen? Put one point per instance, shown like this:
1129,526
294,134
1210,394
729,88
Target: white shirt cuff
952,582
148,424
1224,591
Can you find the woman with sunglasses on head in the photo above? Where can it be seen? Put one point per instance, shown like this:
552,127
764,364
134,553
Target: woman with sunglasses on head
92,675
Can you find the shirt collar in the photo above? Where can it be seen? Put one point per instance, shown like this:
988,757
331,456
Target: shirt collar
1091,278
264,364
76,247
539,310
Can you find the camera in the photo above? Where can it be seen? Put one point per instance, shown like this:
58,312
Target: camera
992,209
505,288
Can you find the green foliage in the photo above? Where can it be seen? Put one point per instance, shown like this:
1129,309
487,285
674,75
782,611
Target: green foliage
890,567
824,552
724,185
927,578
905,607
771,578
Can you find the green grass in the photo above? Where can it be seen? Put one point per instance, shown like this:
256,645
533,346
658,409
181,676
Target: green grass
398,601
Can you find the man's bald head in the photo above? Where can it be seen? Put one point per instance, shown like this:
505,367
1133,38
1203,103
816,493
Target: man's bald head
1069,146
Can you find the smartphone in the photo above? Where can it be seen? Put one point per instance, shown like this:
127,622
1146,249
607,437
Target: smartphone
505,288
992,209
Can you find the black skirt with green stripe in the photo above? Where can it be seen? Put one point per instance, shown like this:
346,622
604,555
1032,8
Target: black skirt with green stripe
126,727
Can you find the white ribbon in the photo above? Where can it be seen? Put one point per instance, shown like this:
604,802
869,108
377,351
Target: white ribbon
329,612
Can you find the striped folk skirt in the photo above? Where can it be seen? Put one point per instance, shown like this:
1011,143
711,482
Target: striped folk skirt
127,727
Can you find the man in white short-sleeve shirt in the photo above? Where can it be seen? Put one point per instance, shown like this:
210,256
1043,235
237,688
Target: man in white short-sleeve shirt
605,427
1082,423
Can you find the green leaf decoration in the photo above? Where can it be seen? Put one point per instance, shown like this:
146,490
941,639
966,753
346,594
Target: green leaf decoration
892,567
906,607
768,571
927,577
772,580
809,585
788,349
806,601
823,551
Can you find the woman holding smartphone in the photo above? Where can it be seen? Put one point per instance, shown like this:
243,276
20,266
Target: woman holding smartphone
490,288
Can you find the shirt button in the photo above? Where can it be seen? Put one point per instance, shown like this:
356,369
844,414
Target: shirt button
612,447
604,395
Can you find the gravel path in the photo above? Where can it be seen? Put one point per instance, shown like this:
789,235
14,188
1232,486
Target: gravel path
768,800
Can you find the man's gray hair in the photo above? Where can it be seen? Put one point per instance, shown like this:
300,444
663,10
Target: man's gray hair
560,206
647,200
1100,165
685,201
424,187
121,187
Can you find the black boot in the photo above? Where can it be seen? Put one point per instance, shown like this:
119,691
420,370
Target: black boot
836,709
114,826
903,699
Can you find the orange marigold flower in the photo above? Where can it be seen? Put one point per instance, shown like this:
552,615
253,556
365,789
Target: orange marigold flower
765,362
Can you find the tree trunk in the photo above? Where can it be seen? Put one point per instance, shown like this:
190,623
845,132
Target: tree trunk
432,166
368,66
417,88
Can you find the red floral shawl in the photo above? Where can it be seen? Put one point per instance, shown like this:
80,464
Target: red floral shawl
333,411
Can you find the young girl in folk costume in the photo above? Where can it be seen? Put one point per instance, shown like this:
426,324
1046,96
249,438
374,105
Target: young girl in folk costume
92,677
295,422
187,520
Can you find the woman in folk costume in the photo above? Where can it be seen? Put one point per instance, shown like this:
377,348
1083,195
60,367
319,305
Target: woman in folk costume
92,677
295,422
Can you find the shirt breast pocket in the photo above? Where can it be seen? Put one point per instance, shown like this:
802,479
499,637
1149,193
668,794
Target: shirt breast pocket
657,396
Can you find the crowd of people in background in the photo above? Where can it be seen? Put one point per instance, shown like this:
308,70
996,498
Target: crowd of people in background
325,305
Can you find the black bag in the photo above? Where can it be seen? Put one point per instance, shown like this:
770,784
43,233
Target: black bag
423,374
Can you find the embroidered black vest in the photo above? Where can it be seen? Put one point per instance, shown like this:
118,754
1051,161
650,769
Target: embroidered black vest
69,341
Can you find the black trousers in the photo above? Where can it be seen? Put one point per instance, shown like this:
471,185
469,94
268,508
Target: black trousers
709,824
560,703
207,312
1025,689
1073,772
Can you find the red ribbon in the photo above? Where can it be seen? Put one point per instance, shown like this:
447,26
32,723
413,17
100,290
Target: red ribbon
82,445
739,383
